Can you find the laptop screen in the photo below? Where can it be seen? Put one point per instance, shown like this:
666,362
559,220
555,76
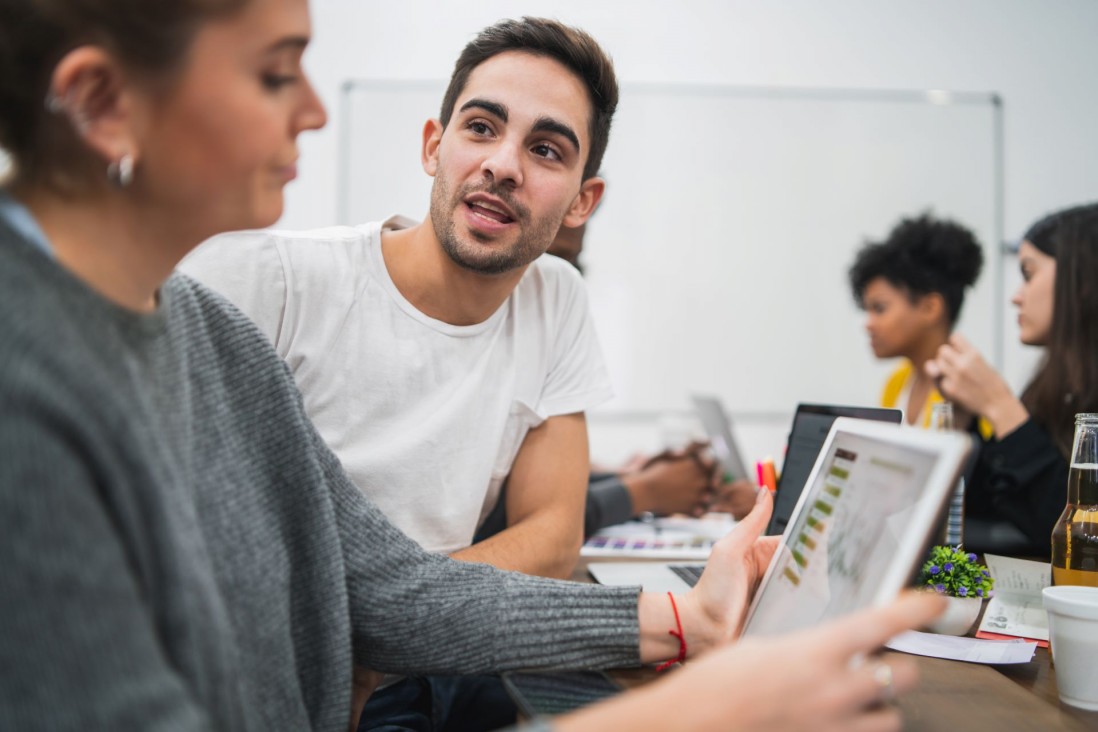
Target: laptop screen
718,427
861,525
811,423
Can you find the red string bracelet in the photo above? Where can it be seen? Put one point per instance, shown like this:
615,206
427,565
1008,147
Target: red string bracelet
678,634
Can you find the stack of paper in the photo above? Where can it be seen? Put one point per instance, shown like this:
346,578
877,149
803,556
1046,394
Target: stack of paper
1016,610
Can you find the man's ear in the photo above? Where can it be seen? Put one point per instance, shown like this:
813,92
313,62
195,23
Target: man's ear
432,138
90,88
585,203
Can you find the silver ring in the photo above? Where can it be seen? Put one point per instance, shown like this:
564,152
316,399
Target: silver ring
882,674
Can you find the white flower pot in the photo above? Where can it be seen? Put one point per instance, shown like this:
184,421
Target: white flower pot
960,614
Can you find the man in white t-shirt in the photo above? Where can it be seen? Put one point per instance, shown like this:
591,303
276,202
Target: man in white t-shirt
438,359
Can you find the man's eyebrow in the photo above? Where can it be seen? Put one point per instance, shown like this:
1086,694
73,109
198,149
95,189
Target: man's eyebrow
493,108
548,124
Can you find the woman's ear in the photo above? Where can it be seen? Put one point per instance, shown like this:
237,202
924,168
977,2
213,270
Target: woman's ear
932,307
585,202
90,88
432,138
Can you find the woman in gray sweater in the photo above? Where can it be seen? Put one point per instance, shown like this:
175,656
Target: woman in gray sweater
179,549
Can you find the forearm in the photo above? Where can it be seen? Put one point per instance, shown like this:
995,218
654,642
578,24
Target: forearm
546,496
416,612
539,545
658,626
1005,414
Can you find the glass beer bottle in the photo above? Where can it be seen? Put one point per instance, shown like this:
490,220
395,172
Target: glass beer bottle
941,418
1075,536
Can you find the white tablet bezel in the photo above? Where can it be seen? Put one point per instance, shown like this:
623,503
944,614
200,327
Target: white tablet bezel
950,448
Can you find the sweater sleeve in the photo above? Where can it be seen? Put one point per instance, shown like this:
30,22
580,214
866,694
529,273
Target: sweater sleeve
1024,478
79,648
415,612
608,503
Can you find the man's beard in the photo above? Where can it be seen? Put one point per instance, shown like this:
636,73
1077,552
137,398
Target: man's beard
533,239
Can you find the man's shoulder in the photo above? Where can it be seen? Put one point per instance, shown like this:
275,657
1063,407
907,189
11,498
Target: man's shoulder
553,276
299,247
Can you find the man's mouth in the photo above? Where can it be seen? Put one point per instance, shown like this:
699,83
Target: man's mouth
489,209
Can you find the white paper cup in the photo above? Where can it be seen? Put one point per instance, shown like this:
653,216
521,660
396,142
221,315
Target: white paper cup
1073,635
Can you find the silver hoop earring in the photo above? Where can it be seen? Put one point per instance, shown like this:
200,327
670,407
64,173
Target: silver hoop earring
120,172
54,103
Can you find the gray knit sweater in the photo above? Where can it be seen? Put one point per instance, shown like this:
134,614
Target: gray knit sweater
179,550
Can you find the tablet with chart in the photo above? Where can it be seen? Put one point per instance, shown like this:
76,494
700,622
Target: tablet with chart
862,524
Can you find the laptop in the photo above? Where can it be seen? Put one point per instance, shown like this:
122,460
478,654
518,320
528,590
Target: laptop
718,428
809,431
811,424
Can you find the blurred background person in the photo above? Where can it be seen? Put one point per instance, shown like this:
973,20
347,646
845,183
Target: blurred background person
1021,477
912,287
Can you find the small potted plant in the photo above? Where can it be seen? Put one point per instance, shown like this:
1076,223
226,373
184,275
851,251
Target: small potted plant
955,573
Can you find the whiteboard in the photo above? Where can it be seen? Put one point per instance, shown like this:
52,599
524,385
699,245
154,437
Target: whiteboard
717,262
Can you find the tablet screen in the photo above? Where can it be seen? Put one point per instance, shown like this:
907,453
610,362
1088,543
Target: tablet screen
861,525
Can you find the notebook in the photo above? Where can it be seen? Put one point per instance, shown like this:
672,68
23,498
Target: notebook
874,502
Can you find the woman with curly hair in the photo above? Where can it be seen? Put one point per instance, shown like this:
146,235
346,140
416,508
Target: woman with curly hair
912,286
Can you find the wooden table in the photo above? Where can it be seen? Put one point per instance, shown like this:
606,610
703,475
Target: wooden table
963,697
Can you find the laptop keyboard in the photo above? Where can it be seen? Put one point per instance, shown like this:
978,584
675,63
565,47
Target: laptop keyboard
688,573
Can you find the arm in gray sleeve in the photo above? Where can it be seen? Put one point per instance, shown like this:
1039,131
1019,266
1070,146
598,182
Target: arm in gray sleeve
412,611
608,503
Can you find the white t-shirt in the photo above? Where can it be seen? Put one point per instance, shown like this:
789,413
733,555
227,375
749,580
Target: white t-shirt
427,417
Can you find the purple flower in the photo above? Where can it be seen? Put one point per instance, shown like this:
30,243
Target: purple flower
979,593
939,588
962,591
935,569
972,558
986,573
948,566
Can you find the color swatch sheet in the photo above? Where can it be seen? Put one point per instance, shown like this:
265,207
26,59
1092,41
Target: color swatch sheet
674,537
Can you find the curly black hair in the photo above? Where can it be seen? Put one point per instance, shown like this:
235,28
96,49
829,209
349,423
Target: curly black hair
922,255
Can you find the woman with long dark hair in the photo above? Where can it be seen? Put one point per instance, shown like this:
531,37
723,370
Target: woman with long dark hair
1021,477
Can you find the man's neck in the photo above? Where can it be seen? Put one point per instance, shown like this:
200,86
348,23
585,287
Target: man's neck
438,287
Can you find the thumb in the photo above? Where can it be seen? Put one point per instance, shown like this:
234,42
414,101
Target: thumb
932,369
751,526
959,342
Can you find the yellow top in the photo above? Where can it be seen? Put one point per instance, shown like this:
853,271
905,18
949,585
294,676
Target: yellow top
899,384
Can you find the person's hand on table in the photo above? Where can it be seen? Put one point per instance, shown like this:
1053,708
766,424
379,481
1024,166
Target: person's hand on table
673,481
736,497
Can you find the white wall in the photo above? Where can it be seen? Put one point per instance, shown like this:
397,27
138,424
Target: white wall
1039,55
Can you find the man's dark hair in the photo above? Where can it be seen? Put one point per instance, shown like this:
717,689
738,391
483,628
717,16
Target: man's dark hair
921,256
572,47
